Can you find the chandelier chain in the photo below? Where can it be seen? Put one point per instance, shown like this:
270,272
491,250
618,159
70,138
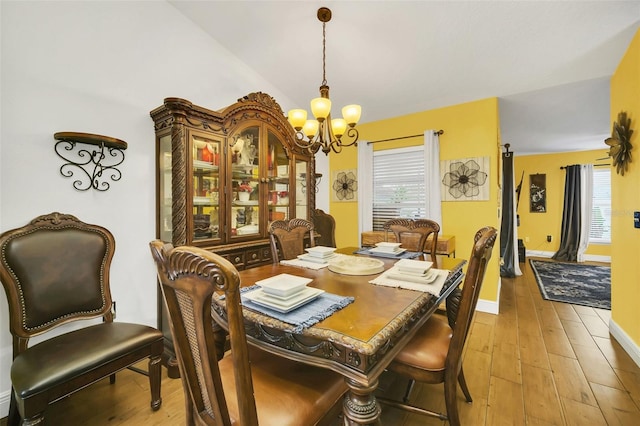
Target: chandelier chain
324,53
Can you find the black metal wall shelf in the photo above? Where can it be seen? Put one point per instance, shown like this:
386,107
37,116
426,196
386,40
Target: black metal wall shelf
98,164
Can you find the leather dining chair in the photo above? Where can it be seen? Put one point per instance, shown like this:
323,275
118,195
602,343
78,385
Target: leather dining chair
413,234
288,238
434,354
247,386
325,225
55,271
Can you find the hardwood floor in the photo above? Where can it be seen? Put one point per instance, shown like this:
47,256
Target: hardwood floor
537,363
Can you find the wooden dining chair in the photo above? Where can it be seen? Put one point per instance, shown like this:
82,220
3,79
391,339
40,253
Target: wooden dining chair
413,234
434,354
288,238
325,225
247,386
55,270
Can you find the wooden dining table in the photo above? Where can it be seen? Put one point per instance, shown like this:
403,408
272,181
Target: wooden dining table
358,341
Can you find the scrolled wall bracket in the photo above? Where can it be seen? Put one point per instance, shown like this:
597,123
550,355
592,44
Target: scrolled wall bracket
95,165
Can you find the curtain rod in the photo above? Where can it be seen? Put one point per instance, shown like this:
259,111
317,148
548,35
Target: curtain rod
595,165
439,132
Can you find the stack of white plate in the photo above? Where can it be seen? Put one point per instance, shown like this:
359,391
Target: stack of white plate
414,271
318,254
283,292
389,248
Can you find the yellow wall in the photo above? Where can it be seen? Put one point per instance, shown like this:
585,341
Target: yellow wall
625,199
470,130
536,226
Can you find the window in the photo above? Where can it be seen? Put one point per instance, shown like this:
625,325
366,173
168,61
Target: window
601,216
398,185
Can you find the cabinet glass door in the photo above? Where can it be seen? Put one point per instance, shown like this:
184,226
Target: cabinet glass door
278,178
245,183
302,186
206,187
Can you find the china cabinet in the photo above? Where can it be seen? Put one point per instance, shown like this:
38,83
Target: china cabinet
223,175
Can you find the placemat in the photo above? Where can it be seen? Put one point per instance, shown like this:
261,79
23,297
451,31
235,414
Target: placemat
434,288
403,255
306,315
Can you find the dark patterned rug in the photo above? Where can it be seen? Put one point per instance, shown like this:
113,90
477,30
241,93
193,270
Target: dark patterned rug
575,283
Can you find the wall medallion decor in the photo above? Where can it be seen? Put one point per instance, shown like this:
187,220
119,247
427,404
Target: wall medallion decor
620,143
345,185
465,179
538,193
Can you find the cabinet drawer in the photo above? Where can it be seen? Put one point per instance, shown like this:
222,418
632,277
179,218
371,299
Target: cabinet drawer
254,256
237,258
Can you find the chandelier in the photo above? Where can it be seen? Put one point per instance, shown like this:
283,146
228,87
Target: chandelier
324,132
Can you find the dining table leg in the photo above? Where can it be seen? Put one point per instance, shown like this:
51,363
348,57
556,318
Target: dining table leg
360,406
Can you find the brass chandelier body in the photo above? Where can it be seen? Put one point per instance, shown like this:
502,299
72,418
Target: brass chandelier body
324,132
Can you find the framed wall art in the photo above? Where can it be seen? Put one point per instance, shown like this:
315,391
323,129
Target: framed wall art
465,179
538,193
344,185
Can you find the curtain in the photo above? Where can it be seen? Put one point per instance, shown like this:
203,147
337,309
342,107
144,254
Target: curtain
586,208
509,266
571,220
365,187
432,176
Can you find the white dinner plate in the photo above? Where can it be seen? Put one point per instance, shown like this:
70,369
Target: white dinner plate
429,278
397,251
315,259
414,266
385,244
259,297
321,251
284,285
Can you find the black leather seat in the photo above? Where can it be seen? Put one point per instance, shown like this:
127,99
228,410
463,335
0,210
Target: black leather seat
55,270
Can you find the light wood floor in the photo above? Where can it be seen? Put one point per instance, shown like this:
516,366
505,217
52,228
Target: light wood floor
537,363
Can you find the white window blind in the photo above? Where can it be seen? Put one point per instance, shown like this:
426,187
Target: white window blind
601,219
398,185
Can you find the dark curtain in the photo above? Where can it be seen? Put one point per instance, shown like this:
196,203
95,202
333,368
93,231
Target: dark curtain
570,232
507,227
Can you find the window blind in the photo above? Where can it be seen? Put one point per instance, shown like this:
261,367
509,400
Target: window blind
601,218
398,185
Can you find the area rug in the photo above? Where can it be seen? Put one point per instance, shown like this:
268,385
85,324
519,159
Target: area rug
574,283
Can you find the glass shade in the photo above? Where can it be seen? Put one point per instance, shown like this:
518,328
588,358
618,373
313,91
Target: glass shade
351,114
297,118
338,125
320,107
310,128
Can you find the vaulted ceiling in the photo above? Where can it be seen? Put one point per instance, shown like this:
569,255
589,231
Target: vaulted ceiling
549,62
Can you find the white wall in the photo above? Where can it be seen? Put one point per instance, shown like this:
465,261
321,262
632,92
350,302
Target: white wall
100,67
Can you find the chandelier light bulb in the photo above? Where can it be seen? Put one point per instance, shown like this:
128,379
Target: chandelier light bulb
297,118
351,114
310,128
338,125
321,108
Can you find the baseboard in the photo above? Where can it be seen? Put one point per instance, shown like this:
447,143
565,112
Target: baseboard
587,257
490,306
5,397
625,341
